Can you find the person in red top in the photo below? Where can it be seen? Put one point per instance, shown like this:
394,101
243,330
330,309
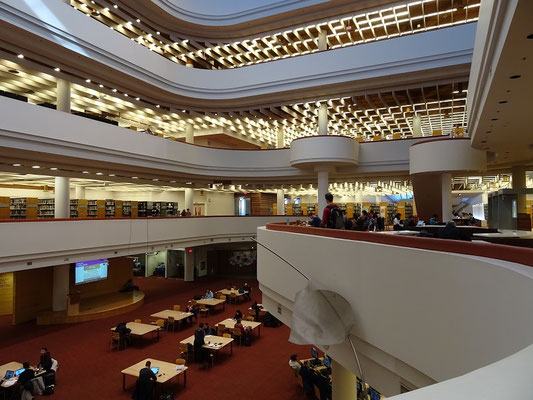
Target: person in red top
327,210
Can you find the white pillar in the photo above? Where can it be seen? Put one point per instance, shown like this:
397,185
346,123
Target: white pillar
63,95
280,201
519,182
323,119
417,126
323,187
189,133
281,138
446,197
322,40
80,192
61,287
188,274
343,382
189,199
62,197
358,197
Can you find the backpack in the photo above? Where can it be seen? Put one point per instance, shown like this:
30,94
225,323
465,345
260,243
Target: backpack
336,219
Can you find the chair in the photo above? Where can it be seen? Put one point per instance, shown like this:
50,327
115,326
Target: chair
138,321
180,361
226,335
222,297
317,392
160,323
233,297
177,307
204,310
252,314
250,318
171,322
237,333
184,351
221,328
115,339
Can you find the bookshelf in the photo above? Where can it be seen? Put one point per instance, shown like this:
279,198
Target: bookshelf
142,208
126,209
92,209
46,208
74,209
18,208
172,209
109,208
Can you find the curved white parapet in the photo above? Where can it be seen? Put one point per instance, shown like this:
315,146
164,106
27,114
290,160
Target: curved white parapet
329,150
421,315
446,155
87,45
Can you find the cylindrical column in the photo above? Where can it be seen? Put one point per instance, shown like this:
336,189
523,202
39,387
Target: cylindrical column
189,199
343,382
80,192
322,40
189,133
280,201
446,197
188,275
417,126
519,182
323,119
63,95
280,138
62,197
323,186
60,288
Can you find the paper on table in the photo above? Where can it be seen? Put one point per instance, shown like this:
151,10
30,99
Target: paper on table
9,382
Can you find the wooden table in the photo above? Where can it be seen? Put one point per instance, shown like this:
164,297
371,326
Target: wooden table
138,329
229,292
212,342
10,366
230,323
263,309
167,371
177,315
212,303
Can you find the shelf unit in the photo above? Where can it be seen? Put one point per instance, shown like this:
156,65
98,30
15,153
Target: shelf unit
18,208
142,208
74,209
172,209
109,208
92,209
126,209
46,208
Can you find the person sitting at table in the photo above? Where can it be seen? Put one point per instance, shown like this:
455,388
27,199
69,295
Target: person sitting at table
45,360
239,325
144,386
308,378
238,315
256,307
294,363
209,294
434,220
124,332
323,383
191,309
199,335
27,382
247,291
208,330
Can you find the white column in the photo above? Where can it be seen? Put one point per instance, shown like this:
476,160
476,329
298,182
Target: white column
446,197
322,40
63,95
323,119
417,126
62,197
80,192
189,133
343,382
358,198
189,199
323,188
60,288
281,138
280,201
188,274
519,182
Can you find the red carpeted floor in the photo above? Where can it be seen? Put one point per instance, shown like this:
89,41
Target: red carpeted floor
90,370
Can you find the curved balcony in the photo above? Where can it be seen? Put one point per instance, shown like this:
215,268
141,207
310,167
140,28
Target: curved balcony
427,310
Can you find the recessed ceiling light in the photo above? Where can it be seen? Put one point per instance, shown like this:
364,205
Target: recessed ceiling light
134,177
137,98
172,181
88,80
111,174
99,173
138,20
106,9
155,179
20,56
53,169
36,166
125,95
84,172
16,165
159,33
57,69
188,183
114,90
158,106
115,6
101,86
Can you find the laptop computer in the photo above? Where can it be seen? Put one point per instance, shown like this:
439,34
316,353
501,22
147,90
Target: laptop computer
9,374
19,371
155,370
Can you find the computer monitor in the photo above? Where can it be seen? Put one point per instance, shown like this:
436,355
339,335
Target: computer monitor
327,362
314,352
19,371
9,374
155,370
374,394
420,223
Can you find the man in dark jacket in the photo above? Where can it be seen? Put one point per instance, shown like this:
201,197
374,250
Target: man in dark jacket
144,387
45,361
199,335
326,214
308,378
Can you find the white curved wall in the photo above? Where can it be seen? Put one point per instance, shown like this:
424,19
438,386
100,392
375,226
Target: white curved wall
56,22
446,155
442,314
324,150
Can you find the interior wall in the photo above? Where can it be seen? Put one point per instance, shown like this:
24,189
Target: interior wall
219,262
120,269
6,293
175,264
153,259
32,293
219,203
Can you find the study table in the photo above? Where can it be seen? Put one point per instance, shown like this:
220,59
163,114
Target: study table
10,366
212,342
139,329
230,292
166,372
177,315
230,323
212,303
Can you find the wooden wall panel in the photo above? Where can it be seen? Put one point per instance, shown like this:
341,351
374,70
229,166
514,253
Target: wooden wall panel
261,203
6,293
5,213
32,293
32,208
82,208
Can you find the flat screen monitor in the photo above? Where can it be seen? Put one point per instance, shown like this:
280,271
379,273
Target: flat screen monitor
90,271
155,370
327,362
314,352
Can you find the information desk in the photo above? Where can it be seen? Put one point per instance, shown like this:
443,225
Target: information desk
212,303
212,342
230,323
177,315
138,329
167,371
508,237
469,230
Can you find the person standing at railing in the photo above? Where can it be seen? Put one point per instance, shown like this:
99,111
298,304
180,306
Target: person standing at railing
332,215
